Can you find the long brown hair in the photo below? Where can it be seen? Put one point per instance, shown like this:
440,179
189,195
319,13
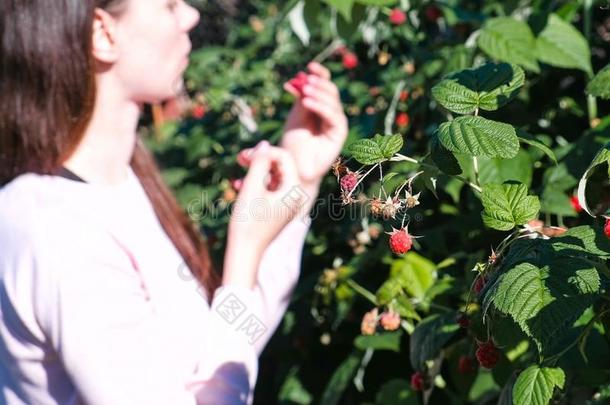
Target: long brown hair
47,94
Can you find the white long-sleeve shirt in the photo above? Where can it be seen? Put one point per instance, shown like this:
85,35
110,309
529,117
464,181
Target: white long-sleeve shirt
98,307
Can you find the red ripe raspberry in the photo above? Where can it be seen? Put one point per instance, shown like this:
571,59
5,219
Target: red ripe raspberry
463,320
402,120
417,381
404,95
349,181
198,111
397,16
400,241
350,60
479,284
390,320
575,203
299,81
465,365
433,13
607,227
487,354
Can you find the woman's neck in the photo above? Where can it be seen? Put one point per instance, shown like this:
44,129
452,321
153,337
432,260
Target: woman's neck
104,153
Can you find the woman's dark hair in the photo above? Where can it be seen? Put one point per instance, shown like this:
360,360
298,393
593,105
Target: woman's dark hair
47,88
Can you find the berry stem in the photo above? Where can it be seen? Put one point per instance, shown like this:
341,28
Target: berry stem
362,291
326,52
402,158
362,178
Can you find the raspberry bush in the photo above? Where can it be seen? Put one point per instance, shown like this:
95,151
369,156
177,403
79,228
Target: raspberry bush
480,127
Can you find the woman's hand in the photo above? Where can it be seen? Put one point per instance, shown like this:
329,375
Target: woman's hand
268,199
316,127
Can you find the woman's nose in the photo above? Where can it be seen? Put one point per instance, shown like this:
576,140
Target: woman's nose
191,18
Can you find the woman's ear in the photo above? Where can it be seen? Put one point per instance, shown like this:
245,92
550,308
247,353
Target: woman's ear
104,44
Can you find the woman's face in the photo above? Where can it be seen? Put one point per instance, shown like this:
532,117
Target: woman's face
153,43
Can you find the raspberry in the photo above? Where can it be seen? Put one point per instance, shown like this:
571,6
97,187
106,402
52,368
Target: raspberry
400,241
299,81
487,354
369,322
607,228
397,16
376,207
417,381
275,177
349,181
404,95
463,320
390,320
575,203
402,120
479,284
350,60
198,111
465,365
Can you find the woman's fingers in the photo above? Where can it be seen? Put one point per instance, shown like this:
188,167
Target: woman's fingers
317,69
274,166
244,157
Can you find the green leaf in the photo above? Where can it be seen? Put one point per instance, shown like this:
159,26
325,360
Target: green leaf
388,144
487,87
509,40
340,379
582,240
344,7
599,86
404,307
390,289
443,159
603,156
396,392
413,273
529,140
477,136
383,341
535,385
508,205
562,45
292,389
366,151
545,300
499,171
429,337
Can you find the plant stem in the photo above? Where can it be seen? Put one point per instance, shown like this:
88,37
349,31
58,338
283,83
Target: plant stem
591,100
362,291
326,52
402,158
389,118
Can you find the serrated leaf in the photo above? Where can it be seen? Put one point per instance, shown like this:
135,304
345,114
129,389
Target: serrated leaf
599,86
603,156
443,158
388,144
561,44
499,171
535,385
508,205
545,300
382,341
509,40
477,136
405,308
429,337
487,87
366,151
582,240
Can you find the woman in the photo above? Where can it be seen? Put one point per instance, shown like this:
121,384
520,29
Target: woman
94,305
